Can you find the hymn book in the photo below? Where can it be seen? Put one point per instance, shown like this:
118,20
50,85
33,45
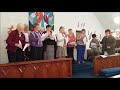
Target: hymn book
103,56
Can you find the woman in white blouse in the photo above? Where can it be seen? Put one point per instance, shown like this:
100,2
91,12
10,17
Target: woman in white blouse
61,43
27,50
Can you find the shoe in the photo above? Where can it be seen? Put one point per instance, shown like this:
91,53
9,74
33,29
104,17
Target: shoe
73,61
79,63
83,62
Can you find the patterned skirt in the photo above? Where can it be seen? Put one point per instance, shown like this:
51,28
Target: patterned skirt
49,54
61,52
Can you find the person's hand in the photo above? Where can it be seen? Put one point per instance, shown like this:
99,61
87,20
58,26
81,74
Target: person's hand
48,37
65,34
39,38
68,39
75,46
108,47
18,45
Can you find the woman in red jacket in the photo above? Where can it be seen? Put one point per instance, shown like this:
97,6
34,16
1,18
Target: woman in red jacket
15,43
71,44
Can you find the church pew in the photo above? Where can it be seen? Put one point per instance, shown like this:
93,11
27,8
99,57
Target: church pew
57,68
100,63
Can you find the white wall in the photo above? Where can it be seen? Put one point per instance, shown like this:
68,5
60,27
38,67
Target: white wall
8,19
71,19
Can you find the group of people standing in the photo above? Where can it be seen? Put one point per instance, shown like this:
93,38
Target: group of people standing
41,44
108,44
46,44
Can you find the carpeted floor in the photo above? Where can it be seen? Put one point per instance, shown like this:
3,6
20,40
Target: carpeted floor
84,70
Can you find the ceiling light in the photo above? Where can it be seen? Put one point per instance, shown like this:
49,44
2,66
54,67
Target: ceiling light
117,20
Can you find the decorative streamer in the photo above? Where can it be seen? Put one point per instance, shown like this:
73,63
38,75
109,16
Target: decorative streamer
78,24
86,39
81,24
90,35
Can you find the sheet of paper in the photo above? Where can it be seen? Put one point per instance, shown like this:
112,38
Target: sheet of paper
103,56
72,43
20,43
105,53
26,45
94,45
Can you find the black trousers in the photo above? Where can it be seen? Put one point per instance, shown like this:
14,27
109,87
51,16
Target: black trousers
17,56
70,52
36,53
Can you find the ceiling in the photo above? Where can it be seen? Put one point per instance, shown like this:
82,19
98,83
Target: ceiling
107,19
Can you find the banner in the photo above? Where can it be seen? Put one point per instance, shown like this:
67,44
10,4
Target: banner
42,18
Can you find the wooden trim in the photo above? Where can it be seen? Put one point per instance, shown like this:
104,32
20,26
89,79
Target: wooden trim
57,68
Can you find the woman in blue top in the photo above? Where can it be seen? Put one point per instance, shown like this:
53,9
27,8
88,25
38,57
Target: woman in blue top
81,46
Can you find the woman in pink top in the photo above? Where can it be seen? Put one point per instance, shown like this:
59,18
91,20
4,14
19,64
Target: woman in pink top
71,44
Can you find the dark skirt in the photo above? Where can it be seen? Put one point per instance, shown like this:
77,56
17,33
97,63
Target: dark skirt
36,53
50,52
17,56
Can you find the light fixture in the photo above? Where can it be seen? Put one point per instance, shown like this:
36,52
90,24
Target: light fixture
114,34
117,20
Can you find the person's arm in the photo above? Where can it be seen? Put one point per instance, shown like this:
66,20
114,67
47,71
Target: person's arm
113,42
32,38
22,39
90,45
10,41
44,36
53,37
98,43
102,40
74,38
79,38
